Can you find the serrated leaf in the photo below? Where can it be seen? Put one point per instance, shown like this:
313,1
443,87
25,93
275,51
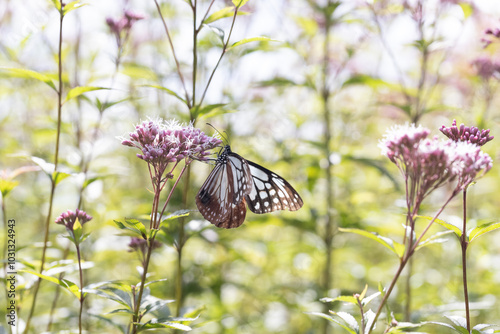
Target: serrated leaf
72,6
371,297
251,39
483,229
68,285
349,320
223,13
121,310
457,321
168,91
369,317
444,325
47,167
446,225
394,246
77,91
29,74
132,225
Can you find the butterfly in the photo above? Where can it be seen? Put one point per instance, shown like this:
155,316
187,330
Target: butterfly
236,183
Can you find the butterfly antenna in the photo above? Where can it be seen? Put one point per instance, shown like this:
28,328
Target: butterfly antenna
225,138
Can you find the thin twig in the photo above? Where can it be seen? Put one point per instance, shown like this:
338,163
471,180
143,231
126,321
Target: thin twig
54,175
177,64
224,49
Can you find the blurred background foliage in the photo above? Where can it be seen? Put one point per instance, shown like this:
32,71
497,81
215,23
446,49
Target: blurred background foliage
311,104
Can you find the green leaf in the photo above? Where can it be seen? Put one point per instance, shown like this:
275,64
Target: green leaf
47,167
168,91
197,112
371,297
369,317
345,299
335,321
223,13
136,71
434,239
77,91
155,305
167,324
68,285
57,4
367,80
445,325
239,3
251,39
133,225
218,31
6,186
59,176
467,9
483,229
77,230
28,74
394,246
446,225
72,6
156,281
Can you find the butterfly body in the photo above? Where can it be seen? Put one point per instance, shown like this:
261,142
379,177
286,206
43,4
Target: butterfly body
235,183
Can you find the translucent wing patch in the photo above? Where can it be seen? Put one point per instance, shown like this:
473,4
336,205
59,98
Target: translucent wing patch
221,197
270,192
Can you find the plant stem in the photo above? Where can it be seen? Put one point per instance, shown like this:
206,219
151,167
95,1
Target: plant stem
135,317
195,51
81,288
180,247
464,243
54,175
404,260
188,101
224,49
330,196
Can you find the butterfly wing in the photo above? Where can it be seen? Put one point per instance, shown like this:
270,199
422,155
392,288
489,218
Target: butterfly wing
270,192
221,198
236,216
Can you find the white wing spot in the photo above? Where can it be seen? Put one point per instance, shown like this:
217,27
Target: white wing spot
281,193
269,185
285,202
276,200
272,192
257,206
266,204
263,194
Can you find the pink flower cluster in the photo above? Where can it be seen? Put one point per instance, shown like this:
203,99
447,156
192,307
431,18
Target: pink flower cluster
466,134
493,32
69,218
123,24
486,67
428,164
162,142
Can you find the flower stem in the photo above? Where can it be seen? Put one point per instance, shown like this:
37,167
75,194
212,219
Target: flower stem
81,288
155,223
54,175
464,243
404,260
